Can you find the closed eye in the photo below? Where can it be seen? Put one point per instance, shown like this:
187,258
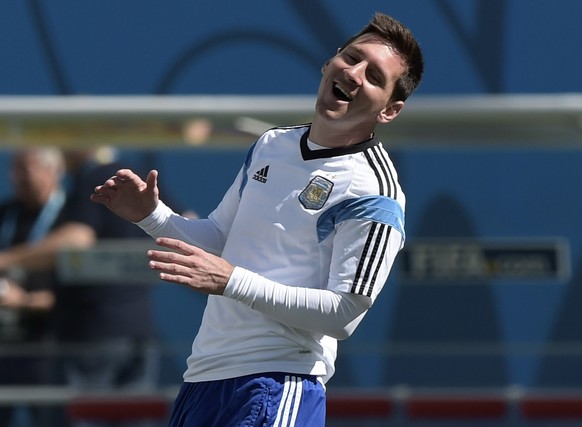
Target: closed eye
351,59
376,79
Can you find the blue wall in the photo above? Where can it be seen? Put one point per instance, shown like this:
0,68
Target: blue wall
479,332
277,47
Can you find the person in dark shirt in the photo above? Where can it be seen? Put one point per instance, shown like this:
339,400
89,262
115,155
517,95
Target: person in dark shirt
105,330
115,319
27,298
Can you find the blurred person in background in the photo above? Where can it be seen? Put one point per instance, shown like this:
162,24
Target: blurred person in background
106,330
27,298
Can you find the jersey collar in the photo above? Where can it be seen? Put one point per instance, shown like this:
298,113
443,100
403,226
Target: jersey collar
309,154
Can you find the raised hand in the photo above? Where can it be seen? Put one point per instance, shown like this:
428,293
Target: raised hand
128,196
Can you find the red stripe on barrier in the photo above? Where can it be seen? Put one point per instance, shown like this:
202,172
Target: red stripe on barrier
551,407
456,407
118,409
359,406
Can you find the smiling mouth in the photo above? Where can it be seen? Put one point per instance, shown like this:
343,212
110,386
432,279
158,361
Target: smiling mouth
341,93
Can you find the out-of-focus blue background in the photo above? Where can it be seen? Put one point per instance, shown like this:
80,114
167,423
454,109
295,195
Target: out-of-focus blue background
490,333
96,47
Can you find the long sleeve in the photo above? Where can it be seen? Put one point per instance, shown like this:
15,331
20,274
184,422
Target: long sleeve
208,233
164,222
336,314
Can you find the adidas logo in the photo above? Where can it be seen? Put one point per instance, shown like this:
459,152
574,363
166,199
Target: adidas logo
261,175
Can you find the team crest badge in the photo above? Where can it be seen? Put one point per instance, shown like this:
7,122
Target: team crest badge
316,193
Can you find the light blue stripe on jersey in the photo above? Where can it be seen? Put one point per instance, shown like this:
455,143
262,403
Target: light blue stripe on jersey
380,209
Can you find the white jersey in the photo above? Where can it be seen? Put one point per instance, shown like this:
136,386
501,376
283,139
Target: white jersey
326,223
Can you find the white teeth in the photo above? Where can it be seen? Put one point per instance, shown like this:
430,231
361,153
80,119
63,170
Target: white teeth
343,91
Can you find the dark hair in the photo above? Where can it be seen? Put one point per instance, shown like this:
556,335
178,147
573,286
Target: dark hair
401,39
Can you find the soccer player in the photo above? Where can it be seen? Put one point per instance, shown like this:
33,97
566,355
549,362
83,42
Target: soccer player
298,249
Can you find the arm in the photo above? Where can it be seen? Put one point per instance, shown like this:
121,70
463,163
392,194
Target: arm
332,313
336,312
15,297
125,194
208,234
43,254
163,222
317,310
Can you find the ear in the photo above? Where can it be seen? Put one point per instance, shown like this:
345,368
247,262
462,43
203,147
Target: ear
390,112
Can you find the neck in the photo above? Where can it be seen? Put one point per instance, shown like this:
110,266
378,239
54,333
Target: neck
335,137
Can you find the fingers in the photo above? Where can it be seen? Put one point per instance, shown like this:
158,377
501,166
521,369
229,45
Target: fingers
115,181
99,198
178,255
103,193
167,257
121,177
171,266
189,265
152,185
127,175
152,179
176,245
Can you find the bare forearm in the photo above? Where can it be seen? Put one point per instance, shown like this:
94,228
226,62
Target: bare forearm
39,301
15,297
43,254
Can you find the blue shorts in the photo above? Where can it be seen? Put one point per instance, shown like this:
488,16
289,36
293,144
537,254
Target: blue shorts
260,400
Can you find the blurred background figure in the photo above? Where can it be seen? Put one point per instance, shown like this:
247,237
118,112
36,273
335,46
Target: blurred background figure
104,330
108,327
27,299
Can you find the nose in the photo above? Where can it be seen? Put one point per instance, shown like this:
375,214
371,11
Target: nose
355,72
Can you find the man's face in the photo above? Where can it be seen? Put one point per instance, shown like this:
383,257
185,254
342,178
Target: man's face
357,84
33,180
